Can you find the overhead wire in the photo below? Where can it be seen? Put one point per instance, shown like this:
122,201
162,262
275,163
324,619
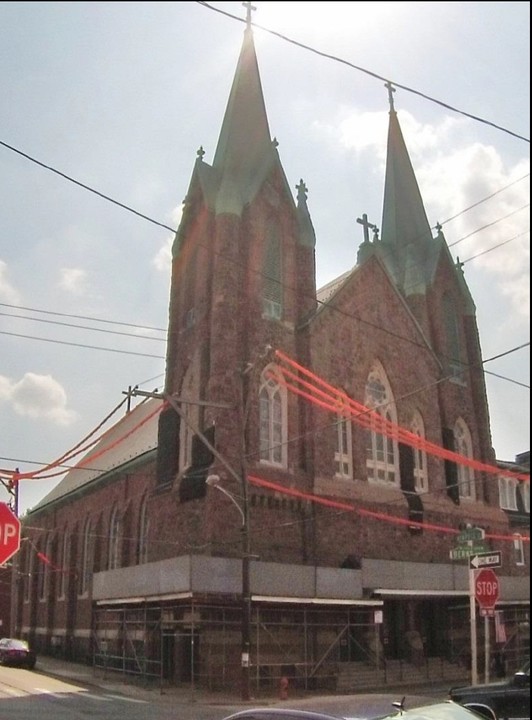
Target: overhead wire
362,320
83,327
139,326
370,73
173,230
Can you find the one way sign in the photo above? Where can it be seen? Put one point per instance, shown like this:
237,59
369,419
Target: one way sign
484,560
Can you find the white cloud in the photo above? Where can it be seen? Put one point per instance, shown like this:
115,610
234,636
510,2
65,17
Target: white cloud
8,293
455,176
74,280
163,259
37,396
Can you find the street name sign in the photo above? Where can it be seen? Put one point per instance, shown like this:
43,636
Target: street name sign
471,534
485,560
464,552
9,533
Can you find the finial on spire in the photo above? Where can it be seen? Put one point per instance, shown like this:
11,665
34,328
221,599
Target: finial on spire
367,226
201,152
249,9
301,190
391,91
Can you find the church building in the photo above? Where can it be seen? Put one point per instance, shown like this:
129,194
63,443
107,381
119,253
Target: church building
304,498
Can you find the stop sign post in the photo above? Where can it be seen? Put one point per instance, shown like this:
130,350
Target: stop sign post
9,533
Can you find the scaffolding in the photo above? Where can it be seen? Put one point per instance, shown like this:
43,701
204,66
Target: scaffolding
199,643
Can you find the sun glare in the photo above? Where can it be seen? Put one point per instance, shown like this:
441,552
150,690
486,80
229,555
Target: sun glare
323,19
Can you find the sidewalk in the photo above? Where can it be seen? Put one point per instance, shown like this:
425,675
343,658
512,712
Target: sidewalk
112,683
186,694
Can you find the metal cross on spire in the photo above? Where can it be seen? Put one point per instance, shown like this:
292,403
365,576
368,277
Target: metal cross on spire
249,9
367,225
391,91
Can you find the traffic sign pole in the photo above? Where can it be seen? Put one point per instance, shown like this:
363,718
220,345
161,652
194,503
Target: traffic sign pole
473,626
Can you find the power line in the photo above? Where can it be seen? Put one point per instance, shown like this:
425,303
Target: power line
81,345
87,187
488,225
489,197
84,317
83,327
335,58
173,230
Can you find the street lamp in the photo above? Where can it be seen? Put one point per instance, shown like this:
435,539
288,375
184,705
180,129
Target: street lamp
214,481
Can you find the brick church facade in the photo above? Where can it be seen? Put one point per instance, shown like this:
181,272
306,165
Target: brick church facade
290,502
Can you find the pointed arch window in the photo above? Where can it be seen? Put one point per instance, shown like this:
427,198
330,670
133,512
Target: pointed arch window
45,561
189,390
87,558
420,456
189,288
382,453
465,474
65,561
343,455
272,296
115,540
453,348
28,575
272,418
41,571
144,522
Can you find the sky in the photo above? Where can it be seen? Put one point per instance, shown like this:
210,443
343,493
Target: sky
104,106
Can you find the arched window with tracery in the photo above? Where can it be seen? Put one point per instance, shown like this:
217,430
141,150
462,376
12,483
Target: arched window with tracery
115,540
272,418
465,474
382,455
420,456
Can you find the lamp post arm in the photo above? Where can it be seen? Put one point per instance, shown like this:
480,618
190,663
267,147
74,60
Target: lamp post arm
230,496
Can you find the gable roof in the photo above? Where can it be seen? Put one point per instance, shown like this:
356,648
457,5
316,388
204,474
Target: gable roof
134,435
328,292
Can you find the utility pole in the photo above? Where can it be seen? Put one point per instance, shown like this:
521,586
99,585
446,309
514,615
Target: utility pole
213,480
246,544
12,487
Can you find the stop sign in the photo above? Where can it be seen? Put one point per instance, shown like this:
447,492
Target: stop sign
9,533
486,588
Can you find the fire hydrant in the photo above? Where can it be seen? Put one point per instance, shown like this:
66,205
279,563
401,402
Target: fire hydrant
283,688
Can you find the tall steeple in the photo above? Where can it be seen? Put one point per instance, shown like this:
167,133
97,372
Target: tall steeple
406,235
245,152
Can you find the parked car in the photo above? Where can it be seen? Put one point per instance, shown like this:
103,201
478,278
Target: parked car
498,700
448,710
17,653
